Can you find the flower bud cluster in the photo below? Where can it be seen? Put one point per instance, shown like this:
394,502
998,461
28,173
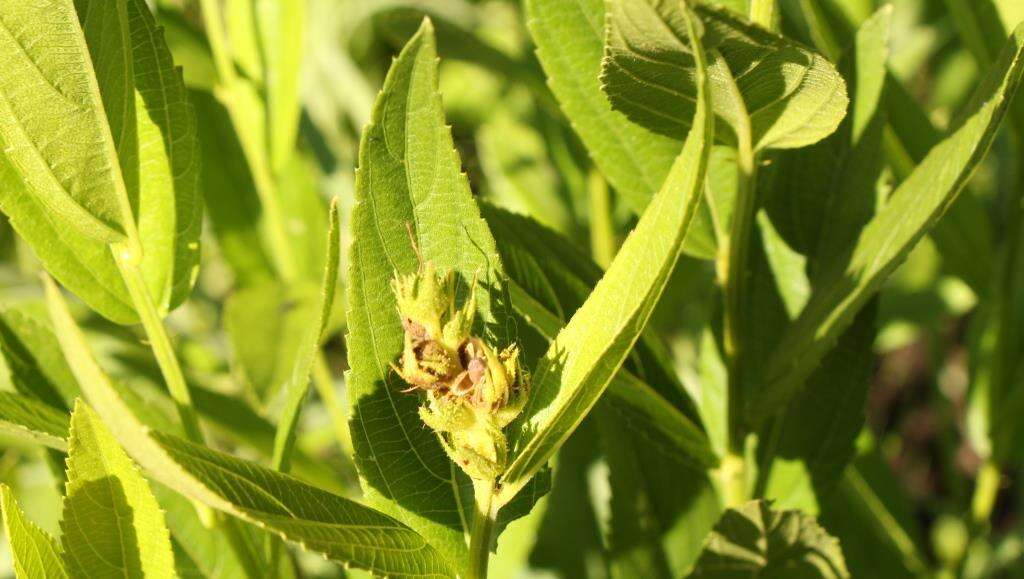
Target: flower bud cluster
472,390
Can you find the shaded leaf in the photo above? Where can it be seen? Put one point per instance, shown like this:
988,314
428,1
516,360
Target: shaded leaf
772,92
33,421
633,159
756,541
842,287
112,524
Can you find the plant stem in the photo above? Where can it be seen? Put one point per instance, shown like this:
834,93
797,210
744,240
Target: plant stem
763,12
734,280
602,231
480,536
732,476
128,261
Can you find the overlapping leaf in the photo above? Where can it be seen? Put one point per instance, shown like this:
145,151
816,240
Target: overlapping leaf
339,528
635,160
100,147
843,286
33,421
772,92
588,352
756,541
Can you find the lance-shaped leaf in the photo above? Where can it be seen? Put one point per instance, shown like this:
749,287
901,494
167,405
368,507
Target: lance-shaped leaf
409,180
772,92
33,360
282,26
588,352
843,286
35,554
339,528
309,346
112,524
635,160
33,421
756,541
136,120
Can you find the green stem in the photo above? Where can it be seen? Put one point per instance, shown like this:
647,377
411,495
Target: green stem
482,531
732,479
128,262
215,34
734,280
602,230
763,12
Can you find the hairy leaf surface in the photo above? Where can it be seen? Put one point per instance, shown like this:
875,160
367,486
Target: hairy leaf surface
33,421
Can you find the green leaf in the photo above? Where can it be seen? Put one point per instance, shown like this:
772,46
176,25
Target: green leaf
588,352
633,159
36,555
409,179
131,116
309,347
33,421
231,199
33,360
265,323
844,286
756,541
772,92
52,115
339,528
660,509
112,524
820,198
548,281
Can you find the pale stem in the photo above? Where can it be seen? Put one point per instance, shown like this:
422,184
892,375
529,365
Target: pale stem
763,12
484,515
602,230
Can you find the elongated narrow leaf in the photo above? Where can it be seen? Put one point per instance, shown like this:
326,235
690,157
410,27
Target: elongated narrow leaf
339,528
844,286
634,159
35,554
309,346
52,115
766,88
409,179
756,541
588,352
33,421
111,523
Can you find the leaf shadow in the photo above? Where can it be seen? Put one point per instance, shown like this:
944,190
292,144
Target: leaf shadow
86,538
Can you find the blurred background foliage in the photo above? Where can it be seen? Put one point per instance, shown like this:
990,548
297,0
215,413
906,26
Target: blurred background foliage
904,506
